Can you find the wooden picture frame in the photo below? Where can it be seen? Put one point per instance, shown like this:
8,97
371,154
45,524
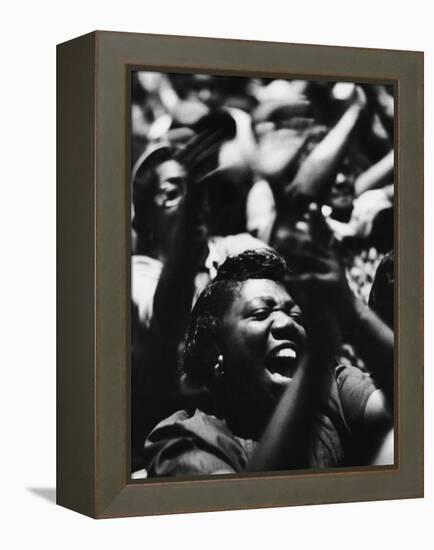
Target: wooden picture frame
93,274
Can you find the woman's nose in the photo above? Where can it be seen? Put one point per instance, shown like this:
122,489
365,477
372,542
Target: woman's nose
282,323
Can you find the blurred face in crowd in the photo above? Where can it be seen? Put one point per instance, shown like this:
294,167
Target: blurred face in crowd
341,196
169,192
263,336
206,89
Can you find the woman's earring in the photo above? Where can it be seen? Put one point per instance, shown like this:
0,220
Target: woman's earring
218,367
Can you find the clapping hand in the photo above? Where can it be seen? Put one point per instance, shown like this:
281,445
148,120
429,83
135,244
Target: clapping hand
316,277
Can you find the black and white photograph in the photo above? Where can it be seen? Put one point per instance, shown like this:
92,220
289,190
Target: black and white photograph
262,275
217,233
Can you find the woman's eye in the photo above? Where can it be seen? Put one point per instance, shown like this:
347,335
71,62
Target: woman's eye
260,314
169,196
297,317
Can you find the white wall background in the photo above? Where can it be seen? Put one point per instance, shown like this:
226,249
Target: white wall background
29,33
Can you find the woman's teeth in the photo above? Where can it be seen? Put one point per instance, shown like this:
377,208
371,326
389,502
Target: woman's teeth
286,352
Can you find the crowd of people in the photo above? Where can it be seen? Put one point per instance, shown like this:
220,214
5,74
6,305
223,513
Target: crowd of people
262,274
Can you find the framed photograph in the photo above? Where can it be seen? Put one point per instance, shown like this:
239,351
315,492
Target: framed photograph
240,239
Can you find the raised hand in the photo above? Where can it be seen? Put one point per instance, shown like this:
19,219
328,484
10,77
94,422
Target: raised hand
200,155
318,170
316,277
278,152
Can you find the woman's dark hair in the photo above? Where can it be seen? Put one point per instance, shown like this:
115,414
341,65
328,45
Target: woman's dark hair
203,338
144,185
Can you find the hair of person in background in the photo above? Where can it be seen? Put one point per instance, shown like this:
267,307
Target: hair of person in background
381,298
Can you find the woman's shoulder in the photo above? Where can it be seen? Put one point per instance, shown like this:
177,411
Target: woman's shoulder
354,387
194,442
195,422
348,376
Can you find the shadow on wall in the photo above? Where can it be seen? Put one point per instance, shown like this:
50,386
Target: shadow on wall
47,493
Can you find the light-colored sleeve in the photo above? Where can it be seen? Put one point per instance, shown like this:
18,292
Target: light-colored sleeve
145,273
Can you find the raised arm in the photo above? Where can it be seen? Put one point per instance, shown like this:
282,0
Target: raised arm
175,289
176,286
320,268
376,176
383,104
317,171
359,324
287,440
373,338
156,342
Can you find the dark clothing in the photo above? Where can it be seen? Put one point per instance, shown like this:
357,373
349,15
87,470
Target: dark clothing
194,443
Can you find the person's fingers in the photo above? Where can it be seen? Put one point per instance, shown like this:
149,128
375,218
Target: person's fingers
304,250
219,119
296,239
206,160
320,231
214,127
292,243
199,144
195,143
313,292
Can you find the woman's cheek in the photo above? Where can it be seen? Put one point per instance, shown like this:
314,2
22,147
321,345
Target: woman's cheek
257,338
303,338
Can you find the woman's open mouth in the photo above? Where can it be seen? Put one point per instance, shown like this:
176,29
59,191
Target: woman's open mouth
281,363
